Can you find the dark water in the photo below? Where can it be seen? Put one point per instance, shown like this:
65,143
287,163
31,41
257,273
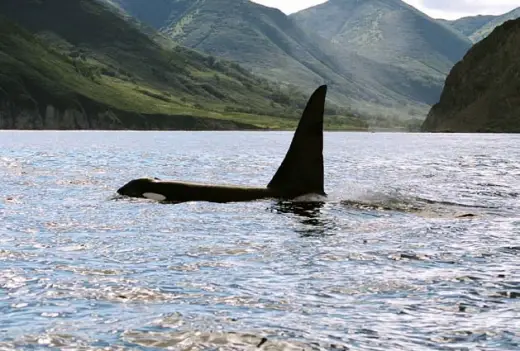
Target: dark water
385,264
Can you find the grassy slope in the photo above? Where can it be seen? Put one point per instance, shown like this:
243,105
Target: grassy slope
417,51
268,42
487,28
98,55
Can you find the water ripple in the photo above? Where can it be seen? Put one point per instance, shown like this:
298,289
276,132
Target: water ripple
416,247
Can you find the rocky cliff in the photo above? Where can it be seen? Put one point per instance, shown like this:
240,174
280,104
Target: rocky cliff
482,92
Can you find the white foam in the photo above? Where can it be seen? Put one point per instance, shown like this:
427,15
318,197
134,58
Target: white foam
310,198
154,196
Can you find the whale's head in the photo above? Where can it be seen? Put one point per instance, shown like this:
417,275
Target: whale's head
138,187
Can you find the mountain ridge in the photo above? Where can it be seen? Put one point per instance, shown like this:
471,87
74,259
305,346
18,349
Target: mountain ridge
469,24
274,45
478,27
487,28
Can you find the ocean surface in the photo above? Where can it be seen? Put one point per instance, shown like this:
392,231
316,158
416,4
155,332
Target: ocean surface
416,248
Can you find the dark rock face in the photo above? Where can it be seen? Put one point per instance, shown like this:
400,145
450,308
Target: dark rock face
482,92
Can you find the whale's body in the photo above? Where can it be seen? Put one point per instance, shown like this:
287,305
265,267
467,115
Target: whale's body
172,191
300,173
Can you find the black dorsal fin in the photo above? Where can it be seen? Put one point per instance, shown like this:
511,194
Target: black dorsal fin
301,172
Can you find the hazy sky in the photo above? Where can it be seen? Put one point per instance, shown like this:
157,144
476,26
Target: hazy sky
449,9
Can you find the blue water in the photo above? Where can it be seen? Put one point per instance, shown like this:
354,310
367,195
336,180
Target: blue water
384,264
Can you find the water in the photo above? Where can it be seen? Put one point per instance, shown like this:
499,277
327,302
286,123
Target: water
385,264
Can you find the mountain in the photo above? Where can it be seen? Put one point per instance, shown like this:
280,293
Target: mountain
469,25
260,38
482,92
93,68
418,50
488,27
273,45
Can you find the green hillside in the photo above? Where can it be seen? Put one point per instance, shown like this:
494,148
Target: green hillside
93,60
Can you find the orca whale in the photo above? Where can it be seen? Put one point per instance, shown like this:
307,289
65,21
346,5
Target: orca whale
300,173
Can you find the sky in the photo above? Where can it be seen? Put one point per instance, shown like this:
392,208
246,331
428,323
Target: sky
449,9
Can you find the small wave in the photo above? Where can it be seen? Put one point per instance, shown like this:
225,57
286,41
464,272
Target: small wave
9,255
117,293
11,279
53,340
78,182
513,250
198,340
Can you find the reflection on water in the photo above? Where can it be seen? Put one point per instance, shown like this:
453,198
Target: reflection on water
385,263
309,214
308,210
